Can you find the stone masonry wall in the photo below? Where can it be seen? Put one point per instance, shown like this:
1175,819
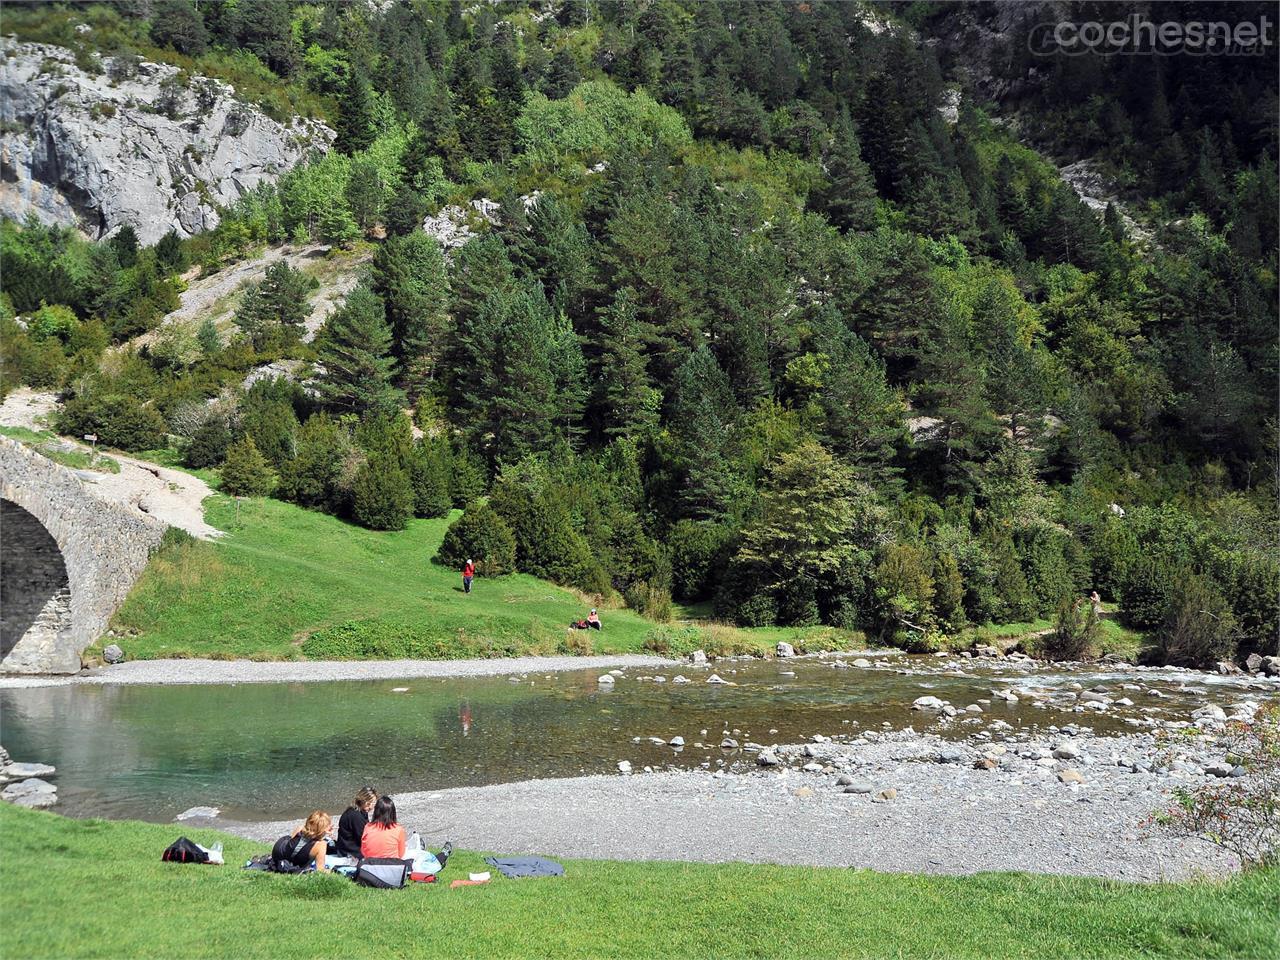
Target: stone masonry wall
104,550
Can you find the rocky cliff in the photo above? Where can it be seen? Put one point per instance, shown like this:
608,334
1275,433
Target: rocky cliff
132,143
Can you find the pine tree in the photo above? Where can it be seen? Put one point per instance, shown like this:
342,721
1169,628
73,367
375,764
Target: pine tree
313,477
626,399
702,413
354,348
430,475
864,417
355,115
562,75
410,276
245,472
382,496
849,198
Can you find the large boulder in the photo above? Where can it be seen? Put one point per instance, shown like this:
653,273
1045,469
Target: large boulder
132,143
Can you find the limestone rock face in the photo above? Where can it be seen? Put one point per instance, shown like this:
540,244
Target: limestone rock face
133,144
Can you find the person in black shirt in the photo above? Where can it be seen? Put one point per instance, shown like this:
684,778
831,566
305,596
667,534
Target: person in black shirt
353,821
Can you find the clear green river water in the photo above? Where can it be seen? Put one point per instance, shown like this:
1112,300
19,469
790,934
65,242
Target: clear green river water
262,751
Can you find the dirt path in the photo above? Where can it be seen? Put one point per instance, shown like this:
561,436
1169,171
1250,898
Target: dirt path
215,297
168,495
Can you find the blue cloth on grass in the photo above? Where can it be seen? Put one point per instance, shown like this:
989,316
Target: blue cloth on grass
525,866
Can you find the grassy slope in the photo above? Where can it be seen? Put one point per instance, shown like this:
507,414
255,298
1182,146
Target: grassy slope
97,889
284,572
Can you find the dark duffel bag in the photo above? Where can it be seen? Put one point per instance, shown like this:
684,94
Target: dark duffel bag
183,850
385,873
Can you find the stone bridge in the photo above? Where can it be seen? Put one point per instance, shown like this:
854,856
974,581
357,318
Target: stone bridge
67,561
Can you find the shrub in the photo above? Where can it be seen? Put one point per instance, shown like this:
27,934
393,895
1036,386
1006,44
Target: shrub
1242,814
274,428
382,497
118,421
577,643
649,600
1144,592
1076,634
429,473
675,641
903,589
208,447
1199,628
313,477
246,473
482,536
1048,572
697,550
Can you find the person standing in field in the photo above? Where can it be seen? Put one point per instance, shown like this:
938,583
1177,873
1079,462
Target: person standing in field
468,574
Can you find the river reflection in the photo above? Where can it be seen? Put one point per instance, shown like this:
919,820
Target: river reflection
272,750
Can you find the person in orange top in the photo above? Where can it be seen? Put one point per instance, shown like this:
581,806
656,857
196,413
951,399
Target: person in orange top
383,837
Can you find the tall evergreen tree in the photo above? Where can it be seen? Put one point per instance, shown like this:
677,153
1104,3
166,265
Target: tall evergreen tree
849,198
354,350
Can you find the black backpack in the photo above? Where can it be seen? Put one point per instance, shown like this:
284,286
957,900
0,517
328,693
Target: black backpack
183,850
286,849
385,873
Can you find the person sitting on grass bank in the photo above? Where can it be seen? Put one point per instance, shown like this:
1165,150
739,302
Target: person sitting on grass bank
593,620
383,837
353,821
306,844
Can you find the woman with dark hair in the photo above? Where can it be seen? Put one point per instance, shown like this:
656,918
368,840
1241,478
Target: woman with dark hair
383,837
353,821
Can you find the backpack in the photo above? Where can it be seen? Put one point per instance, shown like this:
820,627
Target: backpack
183,850
284,851
384,873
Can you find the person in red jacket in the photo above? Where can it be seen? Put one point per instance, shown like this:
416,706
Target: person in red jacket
468,574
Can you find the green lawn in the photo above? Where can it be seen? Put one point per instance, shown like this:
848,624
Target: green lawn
288,583
97,888
1114,637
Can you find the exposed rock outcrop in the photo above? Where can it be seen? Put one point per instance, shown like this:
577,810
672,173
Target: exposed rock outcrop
133,144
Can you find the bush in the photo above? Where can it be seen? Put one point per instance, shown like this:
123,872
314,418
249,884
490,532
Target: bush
1199,628
246,473
675,641
903,590
1242,814
1144,593
697,551
208,447
118,421
482,536
313,477
1076,634
577,643
274,428
382,497
649,600
429,473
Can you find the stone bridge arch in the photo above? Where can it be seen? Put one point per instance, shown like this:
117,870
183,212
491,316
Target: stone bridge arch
67,561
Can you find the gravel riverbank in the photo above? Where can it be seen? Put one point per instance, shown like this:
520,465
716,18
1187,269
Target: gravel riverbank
900,802
249,671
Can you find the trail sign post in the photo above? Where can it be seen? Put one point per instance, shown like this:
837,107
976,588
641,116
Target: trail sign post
93,439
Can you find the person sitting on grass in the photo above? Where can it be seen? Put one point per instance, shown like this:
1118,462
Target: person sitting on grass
353,821
306,845
593,620
383,837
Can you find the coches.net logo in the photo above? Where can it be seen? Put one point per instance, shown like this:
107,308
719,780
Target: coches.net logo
1137,35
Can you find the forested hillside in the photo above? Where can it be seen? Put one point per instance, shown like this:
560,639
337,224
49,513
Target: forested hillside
741,303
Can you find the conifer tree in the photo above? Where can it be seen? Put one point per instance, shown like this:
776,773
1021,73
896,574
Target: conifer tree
355,115
627,401
410,276
245,472
849,198
354,348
